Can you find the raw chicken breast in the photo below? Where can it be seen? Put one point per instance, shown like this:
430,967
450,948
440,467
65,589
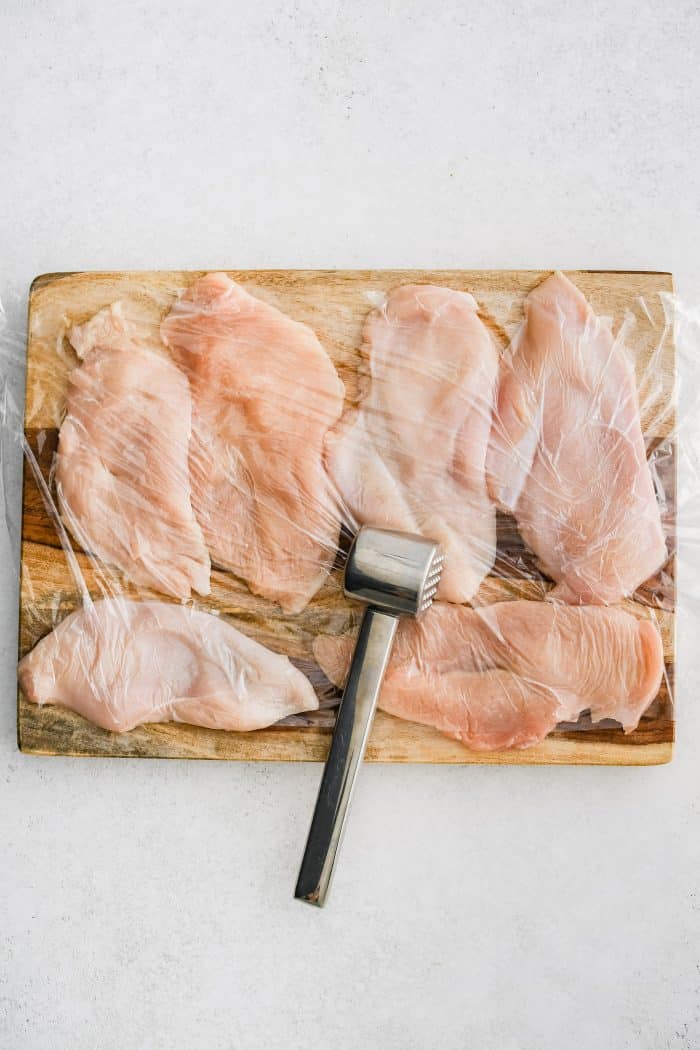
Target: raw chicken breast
120,663
567,456
265,392
122,472
504,675
411,456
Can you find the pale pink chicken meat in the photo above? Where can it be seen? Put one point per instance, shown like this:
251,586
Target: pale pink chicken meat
265,393
122,474
411,455
121,663
567,455
504,675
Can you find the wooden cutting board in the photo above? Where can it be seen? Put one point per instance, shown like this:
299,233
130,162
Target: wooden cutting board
334,304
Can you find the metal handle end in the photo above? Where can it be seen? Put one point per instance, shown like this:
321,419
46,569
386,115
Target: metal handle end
345,756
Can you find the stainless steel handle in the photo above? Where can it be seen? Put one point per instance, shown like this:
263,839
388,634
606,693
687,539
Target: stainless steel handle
345,758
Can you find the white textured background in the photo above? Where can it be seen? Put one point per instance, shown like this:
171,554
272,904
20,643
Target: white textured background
147,905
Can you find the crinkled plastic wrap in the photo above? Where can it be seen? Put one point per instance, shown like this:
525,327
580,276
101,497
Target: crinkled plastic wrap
200,448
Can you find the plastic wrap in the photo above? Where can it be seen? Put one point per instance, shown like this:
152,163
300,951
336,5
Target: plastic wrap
199,450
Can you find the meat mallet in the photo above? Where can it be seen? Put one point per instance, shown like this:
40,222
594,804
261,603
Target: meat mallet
396,574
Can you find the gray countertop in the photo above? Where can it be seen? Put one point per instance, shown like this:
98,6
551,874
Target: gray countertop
149,904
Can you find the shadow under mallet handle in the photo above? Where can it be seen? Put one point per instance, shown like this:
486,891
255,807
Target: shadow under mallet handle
348,745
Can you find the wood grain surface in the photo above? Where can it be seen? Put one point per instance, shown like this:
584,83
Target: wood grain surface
334,304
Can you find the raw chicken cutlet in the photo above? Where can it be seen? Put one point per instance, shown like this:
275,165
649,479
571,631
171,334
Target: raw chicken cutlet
121,663
567,456
503,676
411,455
122,474
265,392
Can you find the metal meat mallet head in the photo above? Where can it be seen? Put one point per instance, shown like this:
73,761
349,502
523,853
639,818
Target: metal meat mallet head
397,575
